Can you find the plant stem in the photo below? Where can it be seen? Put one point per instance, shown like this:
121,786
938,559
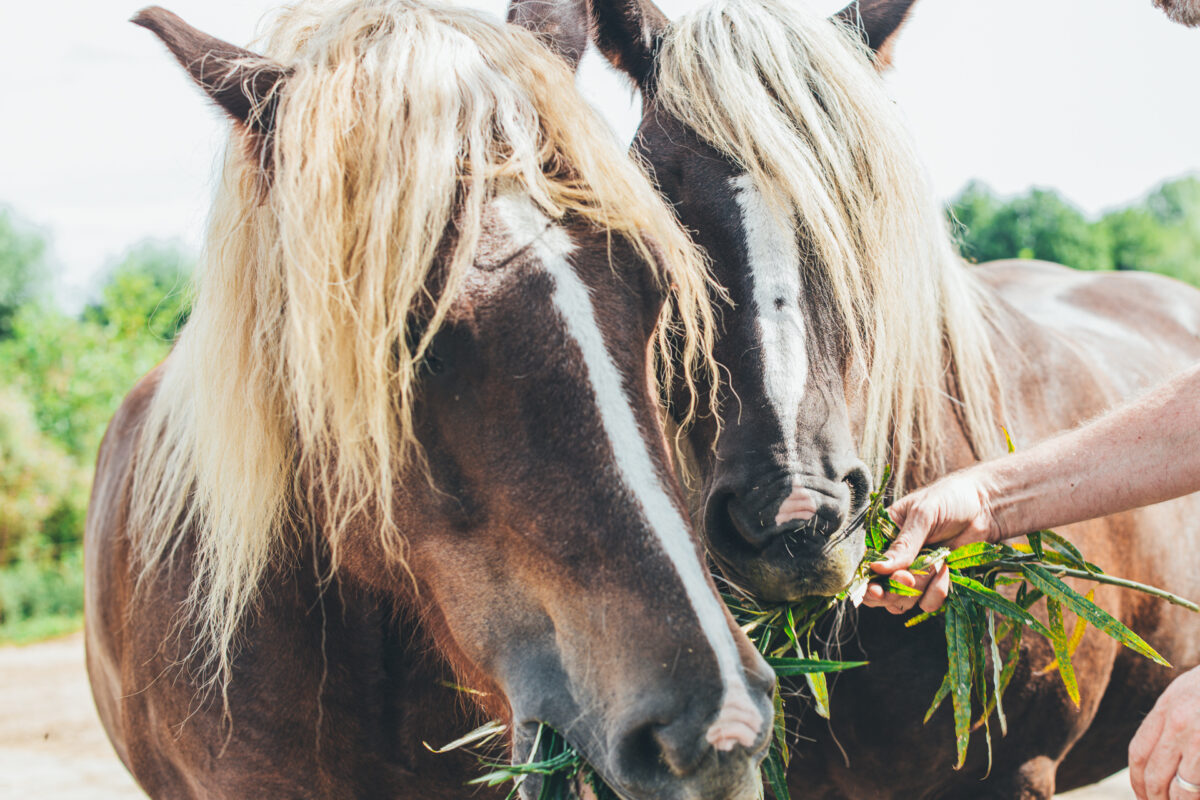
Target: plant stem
1123,582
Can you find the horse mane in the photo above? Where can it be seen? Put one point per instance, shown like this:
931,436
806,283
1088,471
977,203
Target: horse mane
292,386
795,100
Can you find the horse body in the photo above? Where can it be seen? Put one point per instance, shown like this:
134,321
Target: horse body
409,440
332,694
1070,345
770,132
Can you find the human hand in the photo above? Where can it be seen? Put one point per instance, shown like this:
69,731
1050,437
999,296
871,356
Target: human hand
1168,744
954,510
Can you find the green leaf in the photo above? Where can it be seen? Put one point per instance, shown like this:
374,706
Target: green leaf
1070,551
785,667
820,689
1065,668
941,693
997,666
1099,618
929,558
775,772
895,587
973,555
922,617
958,654
1006,674
997,602
1035,543
780,726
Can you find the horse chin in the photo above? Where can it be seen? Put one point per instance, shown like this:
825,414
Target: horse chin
791,570
743,787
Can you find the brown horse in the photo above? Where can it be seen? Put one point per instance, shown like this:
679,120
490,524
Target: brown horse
1186,12
860,339
409,441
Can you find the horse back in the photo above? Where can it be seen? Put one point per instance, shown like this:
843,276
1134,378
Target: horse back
1084,342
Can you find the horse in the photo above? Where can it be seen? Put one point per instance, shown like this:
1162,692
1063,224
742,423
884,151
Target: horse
1185,12
405,464
859,339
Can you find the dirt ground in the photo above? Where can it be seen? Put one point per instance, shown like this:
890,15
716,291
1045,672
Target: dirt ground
53,748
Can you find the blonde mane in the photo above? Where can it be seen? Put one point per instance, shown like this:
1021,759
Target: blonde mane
795,101
292,386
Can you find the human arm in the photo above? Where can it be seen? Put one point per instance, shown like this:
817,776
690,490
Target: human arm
1143,452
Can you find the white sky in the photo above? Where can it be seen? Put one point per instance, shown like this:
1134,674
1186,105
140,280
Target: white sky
104,142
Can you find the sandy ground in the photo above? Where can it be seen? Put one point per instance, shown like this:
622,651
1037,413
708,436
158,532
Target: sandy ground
53,748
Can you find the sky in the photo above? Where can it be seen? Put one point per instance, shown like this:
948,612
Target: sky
104,142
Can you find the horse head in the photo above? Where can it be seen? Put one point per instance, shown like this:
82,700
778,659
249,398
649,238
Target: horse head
448,320
769,131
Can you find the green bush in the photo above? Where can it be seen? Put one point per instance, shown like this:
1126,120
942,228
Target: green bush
42,597
43,491
1158,234
61,379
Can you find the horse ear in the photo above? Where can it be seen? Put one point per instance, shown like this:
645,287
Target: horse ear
877,22
243,83
629,34
561,24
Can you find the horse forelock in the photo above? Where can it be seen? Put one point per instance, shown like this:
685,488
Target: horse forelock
793,99
294,380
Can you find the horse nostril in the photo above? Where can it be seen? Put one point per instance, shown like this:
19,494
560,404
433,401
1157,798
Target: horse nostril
680,748
647,748
860,483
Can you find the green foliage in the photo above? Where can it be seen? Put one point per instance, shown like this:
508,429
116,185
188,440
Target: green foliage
1039,225
43,491
146,294
41,597
76,371
1158,234
23,272
61,379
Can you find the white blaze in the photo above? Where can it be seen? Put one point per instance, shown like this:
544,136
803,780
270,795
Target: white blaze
774,259
739,720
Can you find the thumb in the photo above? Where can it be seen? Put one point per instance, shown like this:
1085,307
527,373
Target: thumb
914,531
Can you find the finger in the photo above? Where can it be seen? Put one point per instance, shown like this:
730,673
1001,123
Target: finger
1177,792
937,591
898,603
906,545
1180,727
1142,747
1188,769
875,596
1161,768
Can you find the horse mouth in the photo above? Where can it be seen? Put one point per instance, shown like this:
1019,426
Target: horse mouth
794,564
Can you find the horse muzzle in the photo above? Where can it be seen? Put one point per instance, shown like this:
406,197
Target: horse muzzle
787,537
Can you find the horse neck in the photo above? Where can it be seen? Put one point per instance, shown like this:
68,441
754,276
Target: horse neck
379,655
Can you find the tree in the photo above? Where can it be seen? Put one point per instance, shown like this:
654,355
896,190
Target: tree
146,292
76,371
23,272
1040,224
